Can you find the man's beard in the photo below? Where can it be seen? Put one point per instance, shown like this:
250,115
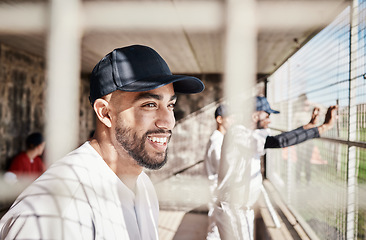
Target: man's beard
259,126
135,147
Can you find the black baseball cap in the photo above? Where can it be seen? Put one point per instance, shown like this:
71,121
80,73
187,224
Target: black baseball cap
263,105
137,68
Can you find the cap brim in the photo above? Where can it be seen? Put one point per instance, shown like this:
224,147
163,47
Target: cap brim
181,83
273,111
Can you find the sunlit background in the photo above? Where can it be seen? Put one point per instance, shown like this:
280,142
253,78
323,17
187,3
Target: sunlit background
301,54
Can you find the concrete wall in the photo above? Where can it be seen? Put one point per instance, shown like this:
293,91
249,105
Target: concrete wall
22,89
22,101
86,117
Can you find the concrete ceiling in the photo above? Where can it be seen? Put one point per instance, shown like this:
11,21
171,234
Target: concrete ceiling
283,27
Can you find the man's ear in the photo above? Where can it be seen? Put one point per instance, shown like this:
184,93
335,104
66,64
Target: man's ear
40,149
101,109
255,117
219,119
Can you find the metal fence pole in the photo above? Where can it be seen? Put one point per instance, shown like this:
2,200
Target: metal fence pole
290,165
63,77
240,56
240,59
351,171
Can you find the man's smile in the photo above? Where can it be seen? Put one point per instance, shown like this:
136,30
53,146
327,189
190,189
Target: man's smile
159,141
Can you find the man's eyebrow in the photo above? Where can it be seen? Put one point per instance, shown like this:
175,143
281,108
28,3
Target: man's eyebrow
147,95
174,97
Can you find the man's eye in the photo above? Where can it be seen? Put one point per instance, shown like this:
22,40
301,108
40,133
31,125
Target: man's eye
150,105
171,106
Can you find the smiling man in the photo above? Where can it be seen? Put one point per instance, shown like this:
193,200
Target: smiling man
99,191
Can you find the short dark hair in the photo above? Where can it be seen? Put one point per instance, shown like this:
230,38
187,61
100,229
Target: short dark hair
221,110
33,140
91,134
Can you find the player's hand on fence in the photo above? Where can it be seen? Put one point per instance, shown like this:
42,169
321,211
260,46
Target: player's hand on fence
314,119
315,116
330,118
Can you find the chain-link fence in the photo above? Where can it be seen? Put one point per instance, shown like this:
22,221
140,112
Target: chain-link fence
323,180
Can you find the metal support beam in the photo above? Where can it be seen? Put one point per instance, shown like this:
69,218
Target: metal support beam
20,18
240,63
23,18
240,56
63,78
285,15
137,16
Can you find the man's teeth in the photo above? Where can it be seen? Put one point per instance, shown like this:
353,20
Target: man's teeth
158,140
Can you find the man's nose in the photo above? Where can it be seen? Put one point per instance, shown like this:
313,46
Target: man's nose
165,119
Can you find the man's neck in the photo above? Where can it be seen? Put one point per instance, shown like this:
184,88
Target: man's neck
32,153
129,181
121,164
221,129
